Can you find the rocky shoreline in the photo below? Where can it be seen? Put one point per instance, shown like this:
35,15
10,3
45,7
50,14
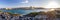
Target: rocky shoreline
31,16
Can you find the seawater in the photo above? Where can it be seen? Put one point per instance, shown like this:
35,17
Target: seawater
21,11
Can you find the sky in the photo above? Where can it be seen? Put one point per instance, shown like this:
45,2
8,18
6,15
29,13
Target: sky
26,3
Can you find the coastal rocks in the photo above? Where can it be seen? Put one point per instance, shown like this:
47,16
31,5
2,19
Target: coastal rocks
4,16
41,17
9,16
16,17
31,16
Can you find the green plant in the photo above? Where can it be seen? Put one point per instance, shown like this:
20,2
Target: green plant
1,11
32,14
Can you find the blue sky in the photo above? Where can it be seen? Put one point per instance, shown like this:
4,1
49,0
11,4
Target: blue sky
24,3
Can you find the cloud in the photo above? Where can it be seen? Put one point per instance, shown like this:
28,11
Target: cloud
25,1
3,6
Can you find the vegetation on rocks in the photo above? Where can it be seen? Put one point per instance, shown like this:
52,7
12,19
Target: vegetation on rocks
32,14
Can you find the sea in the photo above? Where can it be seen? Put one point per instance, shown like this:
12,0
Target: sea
23,11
